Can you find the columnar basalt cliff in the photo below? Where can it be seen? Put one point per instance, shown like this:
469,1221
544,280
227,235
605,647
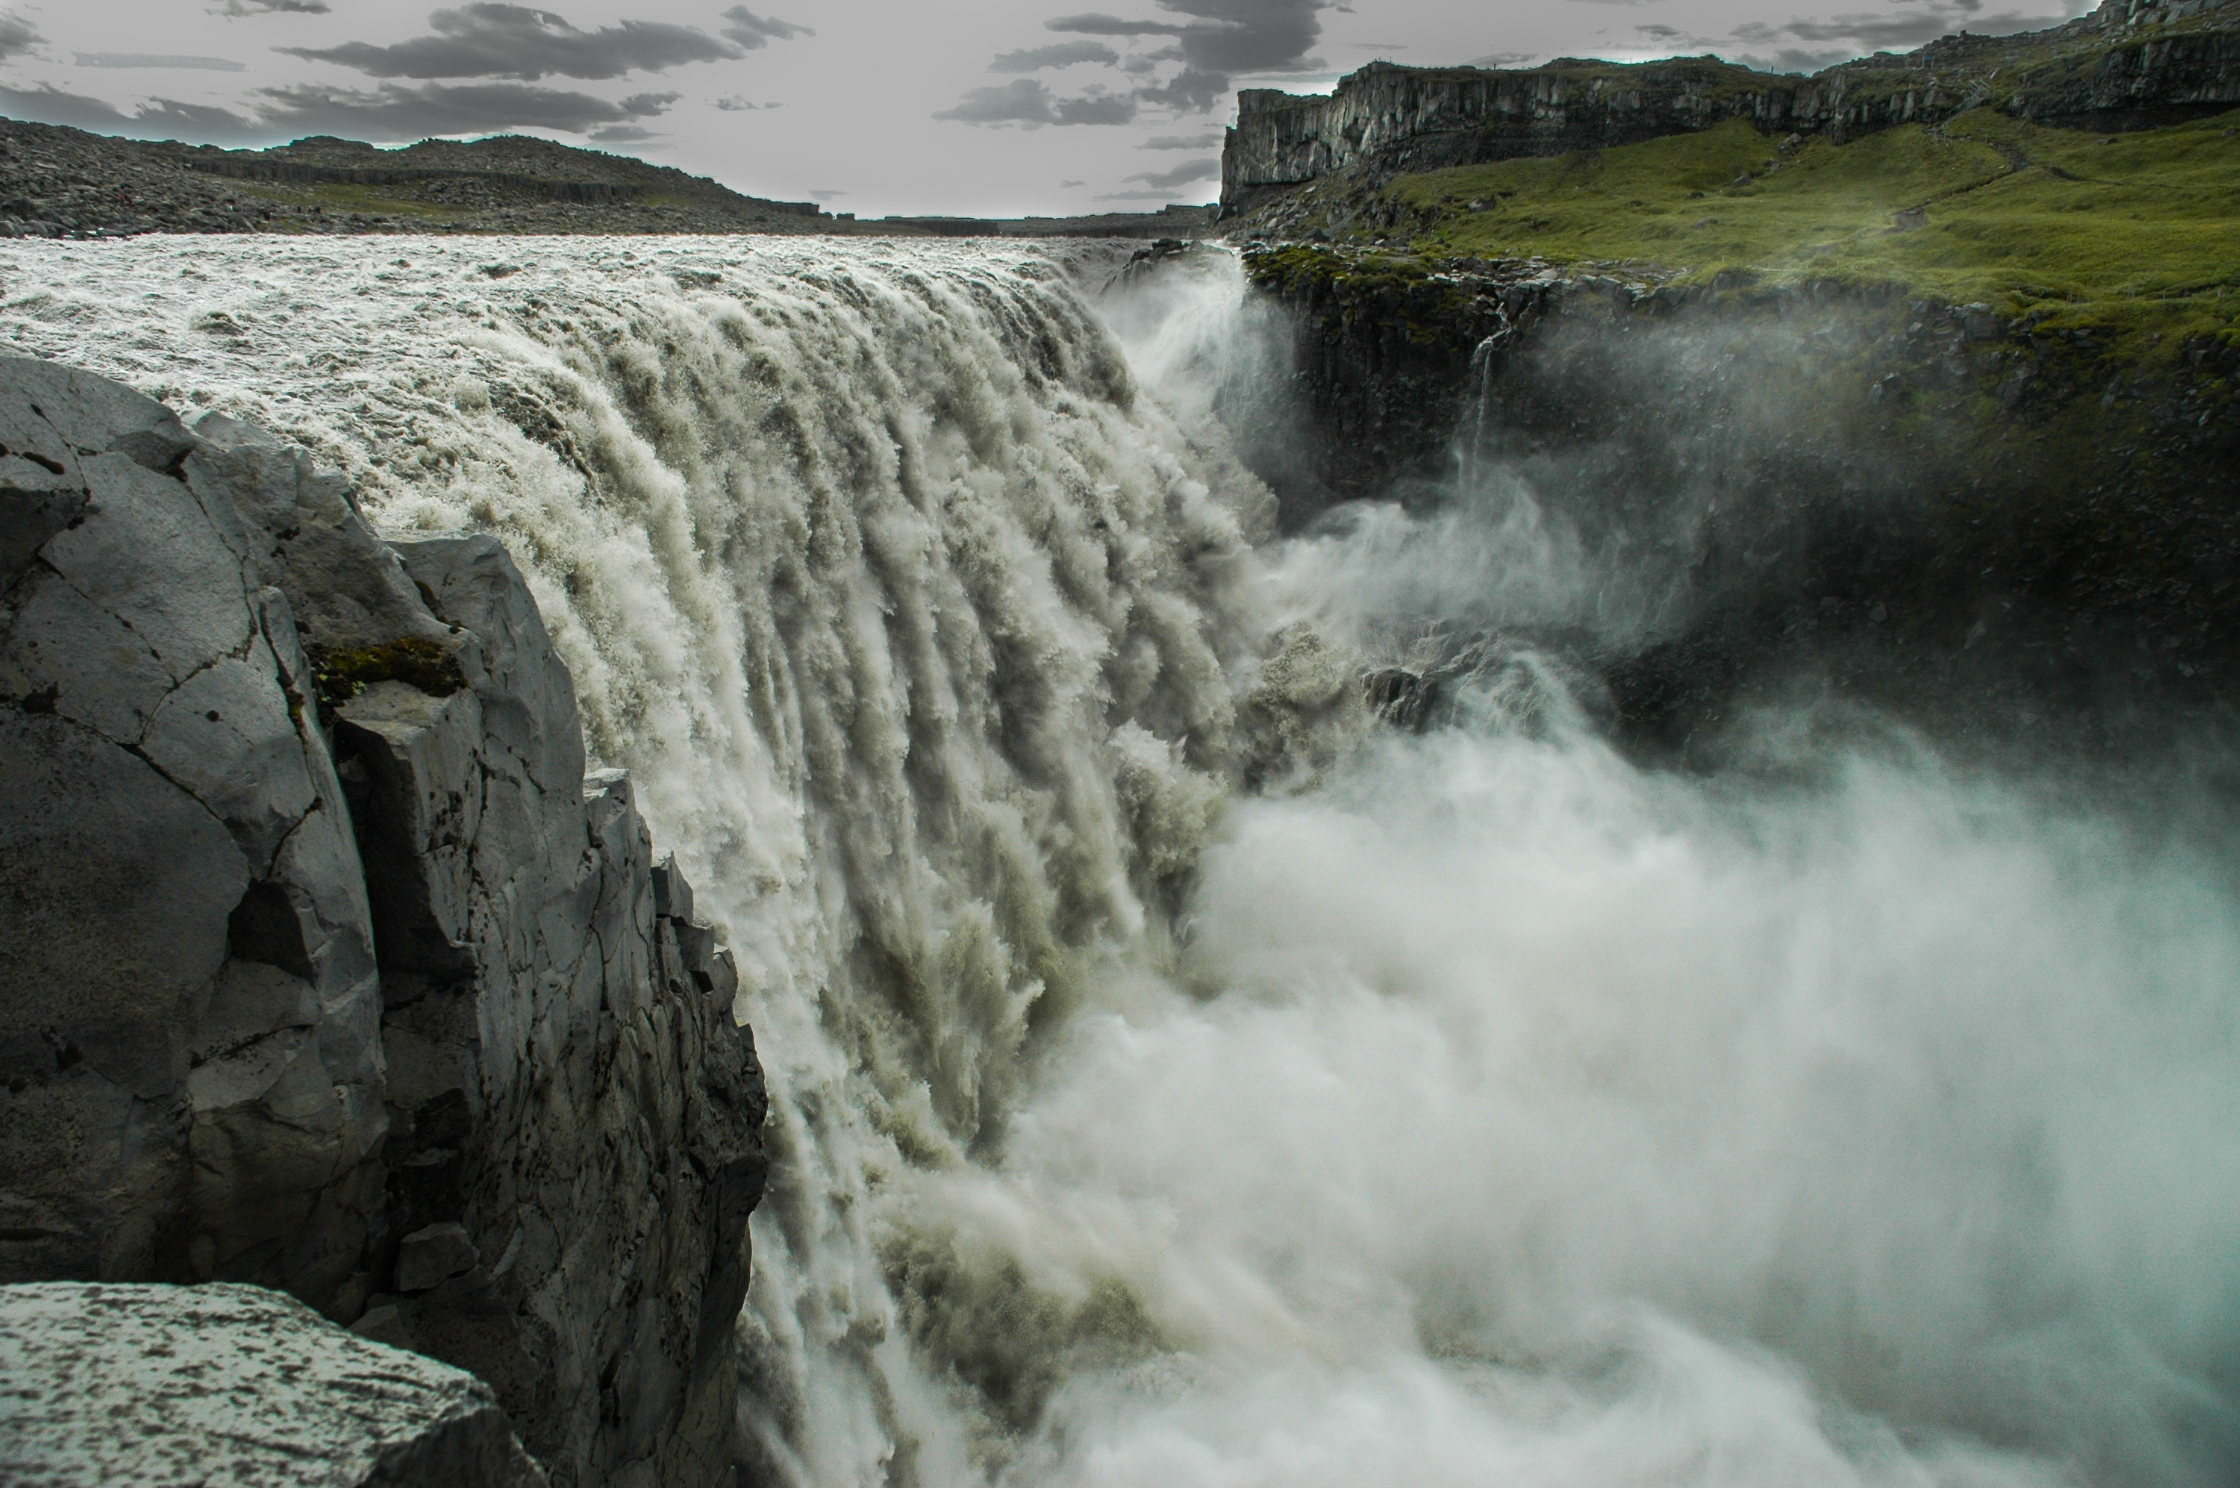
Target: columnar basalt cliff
326,966
2130,64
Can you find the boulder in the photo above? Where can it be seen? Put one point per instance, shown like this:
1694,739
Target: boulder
110,1384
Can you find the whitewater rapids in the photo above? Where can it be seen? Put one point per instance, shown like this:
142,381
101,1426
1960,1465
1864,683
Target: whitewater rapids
1179,1080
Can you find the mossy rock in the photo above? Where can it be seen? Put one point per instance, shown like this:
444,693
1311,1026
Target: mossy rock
342,673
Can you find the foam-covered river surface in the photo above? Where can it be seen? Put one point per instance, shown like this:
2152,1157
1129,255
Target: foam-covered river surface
1179,1079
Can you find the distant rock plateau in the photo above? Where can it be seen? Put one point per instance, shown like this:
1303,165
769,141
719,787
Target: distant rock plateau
2130,64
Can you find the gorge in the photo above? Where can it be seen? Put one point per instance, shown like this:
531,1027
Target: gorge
1241,997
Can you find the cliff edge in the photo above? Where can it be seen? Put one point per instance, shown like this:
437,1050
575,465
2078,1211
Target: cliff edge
2130,64
327,968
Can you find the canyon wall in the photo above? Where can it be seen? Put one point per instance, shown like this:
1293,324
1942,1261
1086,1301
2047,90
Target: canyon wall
2130,64
1966,517
327,968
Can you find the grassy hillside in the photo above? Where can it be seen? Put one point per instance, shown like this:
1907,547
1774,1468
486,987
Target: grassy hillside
2136,235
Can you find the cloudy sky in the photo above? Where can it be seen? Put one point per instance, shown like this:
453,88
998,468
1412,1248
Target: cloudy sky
872,106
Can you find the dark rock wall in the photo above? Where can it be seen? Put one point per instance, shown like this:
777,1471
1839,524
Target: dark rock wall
326,968
2090,73
1920,503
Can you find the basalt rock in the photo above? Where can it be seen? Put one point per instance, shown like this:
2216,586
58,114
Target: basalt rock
1968,520
2130,64
326,967
231,1384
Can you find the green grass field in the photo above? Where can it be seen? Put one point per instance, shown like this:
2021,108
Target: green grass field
2136,234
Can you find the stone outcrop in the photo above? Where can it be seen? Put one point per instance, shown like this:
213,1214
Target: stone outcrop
109,1384
326,966
2130,64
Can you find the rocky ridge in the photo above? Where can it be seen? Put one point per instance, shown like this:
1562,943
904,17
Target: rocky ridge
2129,64
327,966
59,182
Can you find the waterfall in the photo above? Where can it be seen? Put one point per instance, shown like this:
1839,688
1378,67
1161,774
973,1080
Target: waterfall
1177,1080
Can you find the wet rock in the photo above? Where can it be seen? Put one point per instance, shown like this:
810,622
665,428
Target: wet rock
432,1256
324,966
672,896
1400,697
226,1384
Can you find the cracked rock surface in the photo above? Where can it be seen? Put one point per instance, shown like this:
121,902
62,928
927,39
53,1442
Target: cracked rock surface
235,1385
319,968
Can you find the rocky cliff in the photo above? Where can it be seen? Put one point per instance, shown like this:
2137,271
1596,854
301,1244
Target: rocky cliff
1972,518
2129,64
327,967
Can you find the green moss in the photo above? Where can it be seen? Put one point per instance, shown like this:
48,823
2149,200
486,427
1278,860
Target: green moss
343,674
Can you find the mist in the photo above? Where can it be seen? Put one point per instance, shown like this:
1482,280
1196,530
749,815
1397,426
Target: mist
1516,1111
1522,1110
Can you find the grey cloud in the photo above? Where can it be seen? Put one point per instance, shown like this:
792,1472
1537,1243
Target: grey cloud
1023,102
391,112
1181,175
1028,102
1180,142
47,104
16,35
203,123
160,118
1064,54
497,40
1790,59
1503,59
1097,108
1248,35
624,134
1660,33
1220,39
756,32
1142,194
1104,25
268,7
394,112
1867,32
1191,90
738,105
154,59
1067,185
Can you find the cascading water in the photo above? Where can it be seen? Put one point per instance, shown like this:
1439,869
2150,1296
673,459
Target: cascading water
1175,1080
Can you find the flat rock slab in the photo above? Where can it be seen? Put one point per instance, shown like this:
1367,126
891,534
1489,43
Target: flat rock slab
235,1385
